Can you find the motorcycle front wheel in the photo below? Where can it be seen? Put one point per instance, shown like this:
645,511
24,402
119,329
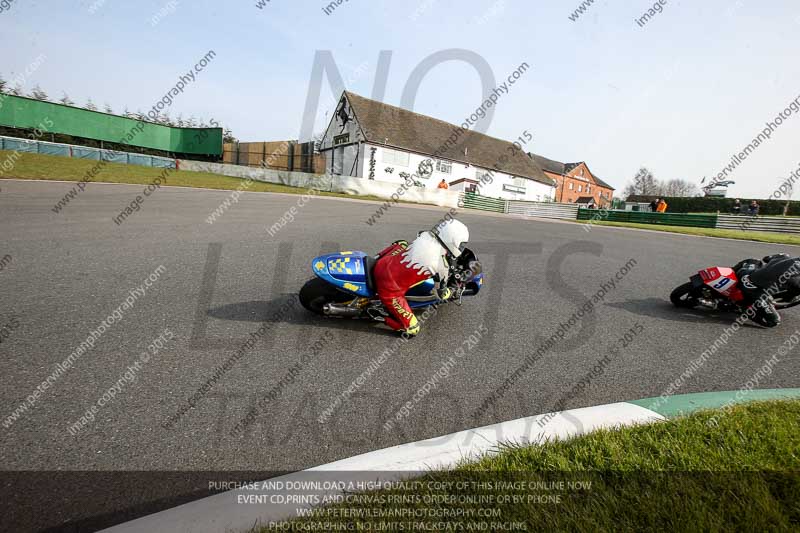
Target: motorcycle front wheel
317,292
782,303
684,296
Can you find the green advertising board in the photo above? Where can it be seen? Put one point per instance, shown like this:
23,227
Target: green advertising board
26,113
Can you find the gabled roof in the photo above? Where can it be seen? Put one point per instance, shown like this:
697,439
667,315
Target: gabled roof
550,165
603,183
556,167
400,128
584,200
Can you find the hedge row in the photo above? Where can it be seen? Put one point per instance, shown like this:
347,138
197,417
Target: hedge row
710,204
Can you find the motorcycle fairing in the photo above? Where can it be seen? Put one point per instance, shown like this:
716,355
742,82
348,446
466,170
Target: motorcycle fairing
724,281
475,283
344,270
422,294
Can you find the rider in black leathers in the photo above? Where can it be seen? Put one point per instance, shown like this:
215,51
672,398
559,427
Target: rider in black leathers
760,279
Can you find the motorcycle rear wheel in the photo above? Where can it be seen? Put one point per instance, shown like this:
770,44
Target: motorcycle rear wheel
683,296
317,292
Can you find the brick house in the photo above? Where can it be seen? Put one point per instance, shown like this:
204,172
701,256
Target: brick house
575,183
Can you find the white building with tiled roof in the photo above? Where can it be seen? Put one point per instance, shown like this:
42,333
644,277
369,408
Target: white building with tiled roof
372,140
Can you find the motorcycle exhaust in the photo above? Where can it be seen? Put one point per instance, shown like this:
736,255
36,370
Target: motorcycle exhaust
711,304
341,310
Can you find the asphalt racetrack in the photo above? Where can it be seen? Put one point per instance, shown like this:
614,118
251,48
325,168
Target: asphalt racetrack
224,281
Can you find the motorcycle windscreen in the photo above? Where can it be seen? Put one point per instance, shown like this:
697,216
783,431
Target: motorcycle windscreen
344,270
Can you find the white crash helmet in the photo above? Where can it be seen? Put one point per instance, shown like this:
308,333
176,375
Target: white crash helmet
453,235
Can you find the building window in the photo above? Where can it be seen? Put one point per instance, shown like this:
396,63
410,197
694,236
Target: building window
588,188
513,188
570,185
580,188
519,182
395,157
444,166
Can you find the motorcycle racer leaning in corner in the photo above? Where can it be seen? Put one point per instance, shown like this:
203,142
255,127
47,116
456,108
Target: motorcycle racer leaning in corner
759,279
400,266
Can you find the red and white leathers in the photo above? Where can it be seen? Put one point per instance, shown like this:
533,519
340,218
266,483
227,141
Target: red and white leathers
400,267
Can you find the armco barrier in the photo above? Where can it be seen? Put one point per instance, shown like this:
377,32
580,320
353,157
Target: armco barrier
542,209
519,207
748,223
83,152
662,219
474,201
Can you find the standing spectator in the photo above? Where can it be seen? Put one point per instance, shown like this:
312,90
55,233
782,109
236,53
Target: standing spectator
753,209
654,205
662,206
443,184
737,207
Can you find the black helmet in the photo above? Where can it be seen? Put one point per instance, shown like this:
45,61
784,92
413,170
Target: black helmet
772,257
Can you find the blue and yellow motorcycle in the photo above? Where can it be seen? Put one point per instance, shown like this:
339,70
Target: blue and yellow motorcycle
344,286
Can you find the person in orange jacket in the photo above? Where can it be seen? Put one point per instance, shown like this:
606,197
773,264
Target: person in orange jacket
662,206
443,184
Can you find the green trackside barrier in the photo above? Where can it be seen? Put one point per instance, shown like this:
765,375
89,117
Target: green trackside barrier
474,201
26,113
639,217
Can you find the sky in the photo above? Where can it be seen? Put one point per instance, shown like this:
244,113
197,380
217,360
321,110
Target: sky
679,95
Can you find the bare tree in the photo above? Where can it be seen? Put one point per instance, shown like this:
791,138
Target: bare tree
66,100
108,109
90,105
679,187
16,90
3,84
228,136
644,184
38,94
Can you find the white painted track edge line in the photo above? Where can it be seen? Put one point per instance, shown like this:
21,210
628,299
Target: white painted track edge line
222,512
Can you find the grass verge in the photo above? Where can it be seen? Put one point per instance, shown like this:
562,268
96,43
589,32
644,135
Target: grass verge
50,167
683,474
760,236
